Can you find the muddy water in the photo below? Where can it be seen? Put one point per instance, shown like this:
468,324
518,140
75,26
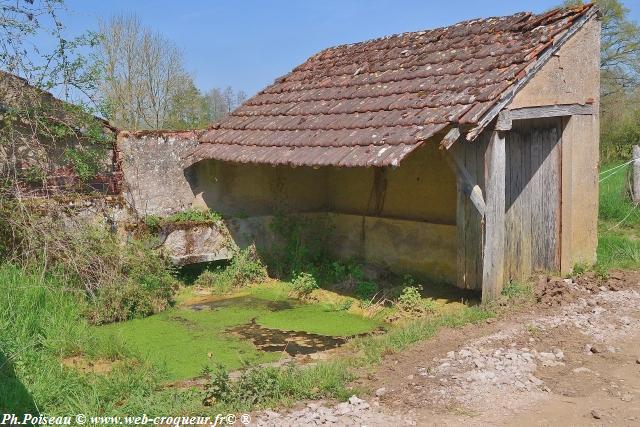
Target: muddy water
272,340
293,342
243,301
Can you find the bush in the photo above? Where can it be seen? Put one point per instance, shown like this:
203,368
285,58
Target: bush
304,283
124,280
120,280
366,290
261,386
244,269
410,299
302,244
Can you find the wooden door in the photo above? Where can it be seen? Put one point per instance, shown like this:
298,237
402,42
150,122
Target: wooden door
533,197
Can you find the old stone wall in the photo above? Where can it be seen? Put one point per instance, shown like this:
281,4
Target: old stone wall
154,180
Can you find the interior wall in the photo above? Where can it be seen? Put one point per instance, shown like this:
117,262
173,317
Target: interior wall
402,219
422,188
244,190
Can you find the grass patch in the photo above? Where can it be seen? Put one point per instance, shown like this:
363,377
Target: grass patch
616,250
41,323
515,290
618,234
615,205
203,216
374,348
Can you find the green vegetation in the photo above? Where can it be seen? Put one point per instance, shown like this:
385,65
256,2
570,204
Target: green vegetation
41,324
185,341
155,222
304,284
366,290
618,236
303,245
516,290
270,387
398,339
244,269
118,280
318,319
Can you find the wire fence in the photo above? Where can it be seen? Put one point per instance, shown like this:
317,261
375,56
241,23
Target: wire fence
605,175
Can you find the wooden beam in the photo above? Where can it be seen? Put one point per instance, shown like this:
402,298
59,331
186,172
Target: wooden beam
450,138
505,121
551,111
494,235
466,182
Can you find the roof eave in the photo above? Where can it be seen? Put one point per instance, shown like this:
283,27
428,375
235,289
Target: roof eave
509,94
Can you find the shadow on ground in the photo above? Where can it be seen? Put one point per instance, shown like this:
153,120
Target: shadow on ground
14,396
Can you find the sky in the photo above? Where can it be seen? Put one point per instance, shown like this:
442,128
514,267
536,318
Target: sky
248,43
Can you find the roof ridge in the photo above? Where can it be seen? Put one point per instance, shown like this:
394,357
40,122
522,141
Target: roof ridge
563,11
327,106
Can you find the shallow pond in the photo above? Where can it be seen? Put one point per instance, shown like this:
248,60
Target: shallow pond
258,326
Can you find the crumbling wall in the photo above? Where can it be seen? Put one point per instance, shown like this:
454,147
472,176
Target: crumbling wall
154,182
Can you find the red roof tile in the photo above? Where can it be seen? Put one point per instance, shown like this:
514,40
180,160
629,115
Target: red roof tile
372,103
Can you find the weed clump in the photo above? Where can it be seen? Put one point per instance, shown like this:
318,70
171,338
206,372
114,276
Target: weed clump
304,283
410,301
515,290
155,222
261,386
366,290
244,269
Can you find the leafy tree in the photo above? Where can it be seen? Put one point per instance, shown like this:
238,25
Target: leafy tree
39,133
144,76
189,110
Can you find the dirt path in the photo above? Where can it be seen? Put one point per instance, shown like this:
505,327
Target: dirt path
576,363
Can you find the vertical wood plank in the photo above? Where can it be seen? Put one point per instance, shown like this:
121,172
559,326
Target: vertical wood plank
566,193
553,199
537,202
514,234
471,218
493,256
460,225
479,223
509,243
526,206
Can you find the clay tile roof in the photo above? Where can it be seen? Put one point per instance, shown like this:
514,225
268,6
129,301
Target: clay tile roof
372,103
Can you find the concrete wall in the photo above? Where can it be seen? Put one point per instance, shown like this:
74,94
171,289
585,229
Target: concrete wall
402,219
254,190
422,249
422,188
154,181
425,250
573,76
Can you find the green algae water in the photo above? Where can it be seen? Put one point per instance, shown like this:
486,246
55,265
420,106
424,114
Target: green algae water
258,325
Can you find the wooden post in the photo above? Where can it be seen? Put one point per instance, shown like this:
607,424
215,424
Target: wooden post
636,174
494,238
